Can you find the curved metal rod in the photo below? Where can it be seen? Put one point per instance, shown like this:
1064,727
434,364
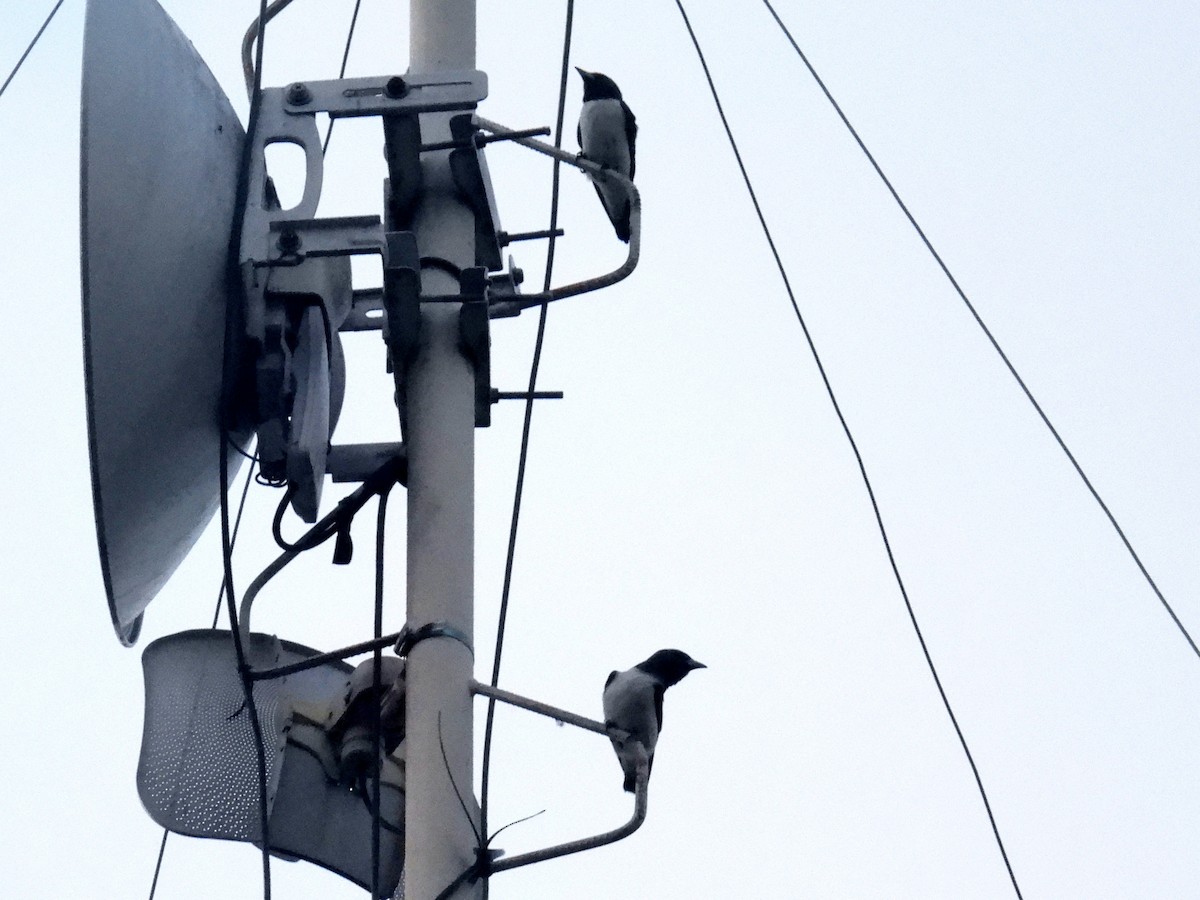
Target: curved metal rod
641,793
512,307
248,43
257,585
609,837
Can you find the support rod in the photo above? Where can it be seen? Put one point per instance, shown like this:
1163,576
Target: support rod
545,709
513,307
639,816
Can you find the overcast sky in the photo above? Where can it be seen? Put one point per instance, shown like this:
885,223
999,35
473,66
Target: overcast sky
694,488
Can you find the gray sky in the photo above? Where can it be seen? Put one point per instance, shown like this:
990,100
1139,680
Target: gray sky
694,489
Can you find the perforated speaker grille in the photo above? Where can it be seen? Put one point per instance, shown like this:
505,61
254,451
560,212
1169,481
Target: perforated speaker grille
198,771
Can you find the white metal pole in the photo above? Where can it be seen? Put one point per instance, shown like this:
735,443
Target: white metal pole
439,842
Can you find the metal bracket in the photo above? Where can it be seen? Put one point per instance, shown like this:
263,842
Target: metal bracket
297,365
406,179
290,240
299,369
358,462
514,307
475,341
497,396
641,791
402,310
469,168
382,95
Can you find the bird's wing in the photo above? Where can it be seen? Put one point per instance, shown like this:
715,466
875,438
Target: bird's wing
630,133
617,208
659,690
579,133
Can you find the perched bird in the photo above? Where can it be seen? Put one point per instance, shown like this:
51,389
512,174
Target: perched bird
633,705
606,133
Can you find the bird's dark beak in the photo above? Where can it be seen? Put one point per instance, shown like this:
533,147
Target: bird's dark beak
582,74
696,665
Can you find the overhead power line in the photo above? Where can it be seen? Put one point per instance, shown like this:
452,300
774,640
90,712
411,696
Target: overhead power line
987,331
525,429
342,70
853,446
29,49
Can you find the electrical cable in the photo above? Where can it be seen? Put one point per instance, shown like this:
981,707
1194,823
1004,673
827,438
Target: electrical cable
448,891
987,333
342,72
311,539
158,865
251,67
853,446
377,692
29,49
237,524
277,521
234,293
365,792
520,484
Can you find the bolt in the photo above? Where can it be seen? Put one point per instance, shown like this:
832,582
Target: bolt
518,275
396,88
289,241
298,94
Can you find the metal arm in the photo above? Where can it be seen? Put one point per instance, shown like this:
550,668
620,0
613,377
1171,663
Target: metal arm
513,307
599,840
536,706
641,793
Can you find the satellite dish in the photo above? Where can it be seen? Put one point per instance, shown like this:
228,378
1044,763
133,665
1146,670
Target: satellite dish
160,148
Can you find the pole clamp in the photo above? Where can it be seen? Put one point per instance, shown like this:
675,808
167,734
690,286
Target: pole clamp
409,638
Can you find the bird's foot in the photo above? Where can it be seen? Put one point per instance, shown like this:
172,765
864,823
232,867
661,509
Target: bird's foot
617,735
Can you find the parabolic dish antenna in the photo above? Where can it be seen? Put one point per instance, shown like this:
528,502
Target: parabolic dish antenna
159,151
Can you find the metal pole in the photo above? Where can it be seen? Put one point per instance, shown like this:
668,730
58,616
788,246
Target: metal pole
439,841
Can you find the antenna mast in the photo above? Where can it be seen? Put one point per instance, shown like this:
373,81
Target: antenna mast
440,841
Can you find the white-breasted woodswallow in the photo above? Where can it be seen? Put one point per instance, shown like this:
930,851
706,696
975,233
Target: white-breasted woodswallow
633,705
606,133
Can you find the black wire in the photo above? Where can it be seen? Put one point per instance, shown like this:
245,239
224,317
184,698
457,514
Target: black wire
234,295
277,521
158,865
342,72
365,793
448,891
237,524
312,538
454,784
988,333
520,485
29,49
241,452
853,446
377,692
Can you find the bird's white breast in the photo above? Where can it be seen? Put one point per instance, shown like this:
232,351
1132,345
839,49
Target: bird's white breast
629,704
602,134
